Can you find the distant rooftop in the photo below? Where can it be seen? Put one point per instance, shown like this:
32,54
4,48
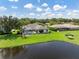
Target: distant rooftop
65,26
34,26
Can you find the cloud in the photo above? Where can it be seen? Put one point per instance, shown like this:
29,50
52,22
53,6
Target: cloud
59,15
38,9
2,8
32,14
29,6
13,0
72,13
44,5
14,7
59,7
47,15
50,15
76,11
47,9
14,15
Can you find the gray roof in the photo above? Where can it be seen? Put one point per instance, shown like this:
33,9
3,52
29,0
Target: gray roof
34,27
71,26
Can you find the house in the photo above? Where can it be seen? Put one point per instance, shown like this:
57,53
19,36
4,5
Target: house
34,28
65,27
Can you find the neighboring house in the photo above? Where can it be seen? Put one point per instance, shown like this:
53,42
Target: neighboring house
34,28
65,27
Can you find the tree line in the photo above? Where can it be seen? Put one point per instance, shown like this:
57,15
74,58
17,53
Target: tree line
9,23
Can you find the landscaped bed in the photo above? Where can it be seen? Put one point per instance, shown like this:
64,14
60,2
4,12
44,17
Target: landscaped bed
17,40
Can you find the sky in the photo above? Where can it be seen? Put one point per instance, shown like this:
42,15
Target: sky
40,8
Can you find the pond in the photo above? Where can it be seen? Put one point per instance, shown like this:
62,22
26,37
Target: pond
51,50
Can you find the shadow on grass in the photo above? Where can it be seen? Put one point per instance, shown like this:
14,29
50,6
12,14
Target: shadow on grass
9,36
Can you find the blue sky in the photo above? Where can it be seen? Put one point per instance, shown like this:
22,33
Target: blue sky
40,8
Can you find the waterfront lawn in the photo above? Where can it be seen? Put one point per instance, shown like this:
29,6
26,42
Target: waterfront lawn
17,40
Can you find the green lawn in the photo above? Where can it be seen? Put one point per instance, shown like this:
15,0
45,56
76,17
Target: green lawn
13,40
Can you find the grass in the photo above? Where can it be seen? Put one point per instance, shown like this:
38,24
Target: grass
16,40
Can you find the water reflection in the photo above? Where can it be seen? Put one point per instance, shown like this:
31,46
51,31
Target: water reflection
51,50
10,53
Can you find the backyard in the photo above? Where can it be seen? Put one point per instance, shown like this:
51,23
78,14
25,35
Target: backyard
17,40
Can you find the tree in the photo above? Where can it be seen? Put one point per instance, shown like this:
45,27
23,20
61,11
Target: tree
24,21
10,23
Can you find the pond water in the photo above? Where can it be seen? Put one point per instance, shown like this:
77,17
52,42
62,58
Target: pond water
51,50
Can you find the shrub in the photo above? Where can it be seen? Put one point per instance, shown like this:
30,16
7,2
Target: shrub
49,31
14,31
53,29
1,32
